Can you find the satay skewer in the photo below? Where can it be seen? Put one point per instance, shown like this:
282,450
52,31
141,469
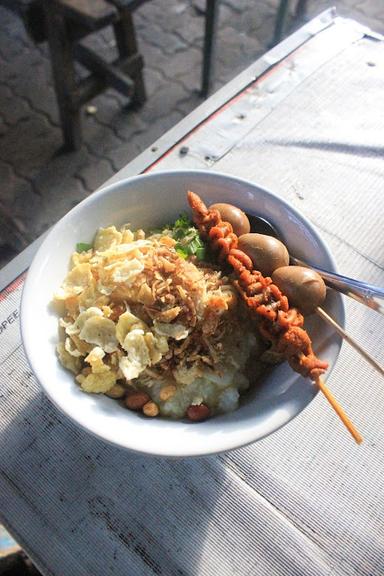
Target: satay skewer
304,361
304,286
339,410
327,318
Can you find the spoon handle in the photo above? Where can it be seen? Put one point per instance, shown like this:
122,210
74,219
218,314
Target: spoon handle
361,291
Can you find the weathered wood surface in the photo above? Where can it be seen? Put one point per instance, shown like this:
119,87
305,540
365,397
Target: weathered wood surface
306,500
66,22
93,13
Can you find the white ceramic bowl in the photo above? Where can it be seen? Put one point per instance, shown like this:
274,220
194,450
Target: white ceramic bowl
148,201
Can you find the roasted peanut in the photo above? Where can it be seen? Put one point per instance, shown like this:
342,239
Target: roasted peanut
150,409
198,412
117,391
167,392
136,400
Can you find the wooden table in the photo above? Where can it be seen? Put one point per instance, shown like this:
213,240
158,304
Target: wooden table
307,122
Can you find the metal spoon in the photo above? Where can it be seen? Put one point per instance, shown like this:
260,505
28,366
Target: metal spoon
363,292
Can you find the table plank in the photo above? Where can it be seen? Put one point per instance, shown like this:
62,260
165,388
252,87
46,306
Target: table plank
306,500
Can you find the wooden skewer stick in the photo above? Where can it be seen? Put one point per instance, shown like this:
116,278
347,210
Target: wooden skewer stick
339,410
349,339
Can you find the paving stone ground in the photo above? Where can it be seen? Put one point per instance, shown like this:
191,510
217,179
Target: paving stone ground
38,182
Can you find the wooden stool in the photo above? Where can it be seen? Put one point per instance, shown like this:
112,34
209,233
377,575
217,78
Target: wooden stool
66,23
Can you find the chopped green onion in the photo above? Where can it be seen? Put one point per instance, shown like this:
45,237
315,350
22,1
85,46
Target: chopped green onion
188,239
194,245
201,253
181,252
183,222
83,247
178,233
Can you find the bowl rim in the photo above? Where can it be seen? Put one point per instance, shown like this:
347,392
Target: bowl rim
38,262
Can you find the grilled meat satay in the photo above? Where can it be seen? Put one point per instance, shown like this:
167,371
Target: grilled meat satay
279,324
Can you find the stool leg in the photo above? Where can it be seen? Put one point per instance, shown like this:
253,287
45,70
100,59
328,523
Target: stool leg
211,18
281,19
301,9
63,71
127,46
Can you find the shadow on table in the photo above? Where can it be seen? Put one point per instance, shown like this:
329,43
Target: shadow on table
103,509
82,507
